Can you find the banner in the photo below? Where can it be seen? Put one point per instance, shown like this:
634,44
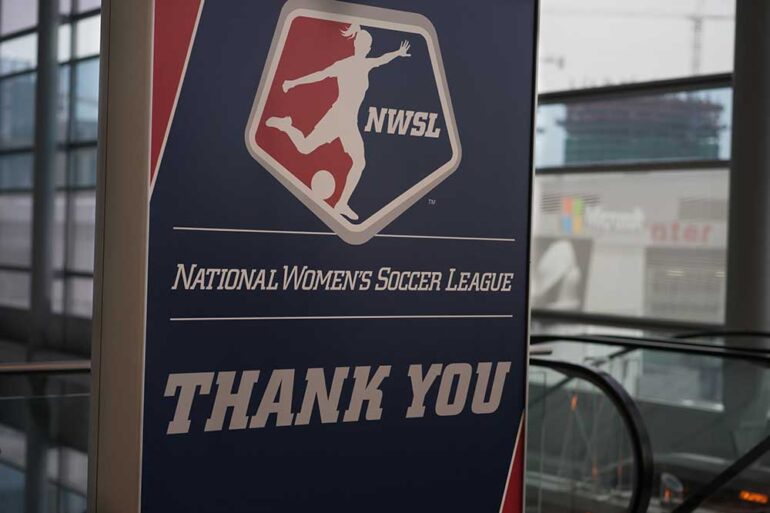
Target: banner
337,284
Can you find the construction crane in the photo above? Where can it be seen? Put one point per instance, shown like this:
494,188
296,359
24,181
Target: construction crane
698,17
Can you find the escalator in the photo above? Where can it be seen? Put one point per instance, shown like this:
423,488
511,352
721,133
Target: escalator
702,400
588,447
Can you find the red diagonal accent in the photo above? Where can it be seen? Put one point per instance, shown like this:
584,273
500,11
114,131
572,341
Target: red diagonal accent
513,502
173,33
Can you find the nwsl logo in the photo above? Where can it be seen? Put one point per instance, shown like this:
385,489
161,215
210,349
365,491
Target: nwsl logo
353,113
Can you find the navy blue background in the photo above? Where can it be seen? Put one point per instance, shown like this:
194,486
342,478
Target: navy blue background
394,163
207,178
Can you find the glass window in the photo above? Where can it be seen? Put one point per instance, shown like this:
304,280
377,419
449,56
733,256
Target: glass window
65,42
87,5
16,171
65,6
692,125
63,105
18,54
77,117
17,111
77,297
59,236
61,168
75,215
17,15
74,231
15,229
57,296
88,36
637,244
82,220
601,42
86,100
83,167
14,289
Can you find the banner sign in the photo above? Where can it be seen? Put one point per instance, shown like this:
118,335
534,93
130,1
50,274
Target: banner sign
337,284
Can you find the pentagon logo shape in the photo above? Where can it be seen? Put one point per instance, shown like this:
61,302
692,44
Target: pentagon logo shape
353,114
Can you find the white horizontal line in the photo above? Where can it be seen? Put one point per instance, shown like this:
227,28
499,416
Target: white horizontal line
294,232
338,317
443,237
244,230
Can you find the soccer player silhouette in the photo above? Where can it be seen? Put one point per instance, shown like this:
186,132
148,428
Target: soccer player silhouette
341,120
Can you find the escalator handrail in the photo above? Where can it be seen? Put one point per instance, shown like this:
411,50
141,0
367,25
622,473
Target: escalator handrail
558,386
696,498
724,333
632,418
661,344
689,340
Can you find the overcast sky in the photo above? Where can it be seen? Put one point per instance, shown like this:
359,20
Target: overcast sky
598,42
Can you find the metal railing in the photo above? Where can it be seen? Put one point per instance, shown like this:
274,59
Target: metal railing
49,367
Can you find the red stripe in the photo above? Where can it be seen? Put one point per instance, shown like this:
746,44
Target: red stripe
173,32
513,502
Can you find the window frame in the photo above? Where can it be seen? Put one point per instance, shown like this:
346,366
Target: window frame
66,146
614,92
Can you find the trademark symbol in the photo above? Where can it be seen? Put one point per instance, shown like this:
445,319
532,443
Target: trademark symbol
431,202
